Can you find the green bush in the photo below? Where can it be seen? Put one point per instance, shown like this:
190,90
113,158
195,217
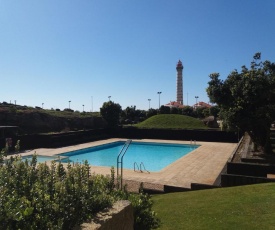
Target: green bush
144,217
38,196
41,196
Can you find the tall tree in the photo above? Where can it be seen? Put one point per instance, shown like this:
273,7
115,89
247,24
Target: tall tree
151,112
247,100
214,111
111,111
200,113
164,110
188,111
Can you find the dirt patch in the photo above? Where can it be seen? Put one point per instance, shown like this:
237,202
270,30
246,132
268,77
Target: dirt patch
134,186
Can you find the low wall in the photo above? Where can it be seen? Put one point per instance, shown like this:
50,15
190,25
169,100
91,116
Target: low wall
60,139
228,180
169,189
245,173
197,186
119,217
249,169
77,137
184,134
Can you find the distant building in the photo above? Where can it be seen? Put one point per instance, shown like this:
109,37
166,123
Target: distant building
202,104
174,104
179,83
179,102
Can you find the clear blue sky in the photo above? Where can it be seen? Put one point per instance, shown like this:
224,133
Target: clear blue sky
83,51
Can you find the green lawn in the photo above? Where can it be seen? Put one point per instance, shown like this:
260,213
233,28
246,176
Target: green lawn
243,207
171,121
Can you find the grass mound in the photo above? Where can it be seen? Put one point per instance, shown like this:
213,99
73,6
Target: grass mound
171,121
244,207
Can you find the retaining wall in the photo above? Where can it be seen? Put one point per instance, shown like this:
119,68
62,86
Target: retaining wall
250,169
119,217
245,173
228,180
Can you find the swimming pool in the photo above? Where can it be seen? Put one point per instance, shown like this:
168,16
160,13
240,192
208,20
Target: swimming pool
154,156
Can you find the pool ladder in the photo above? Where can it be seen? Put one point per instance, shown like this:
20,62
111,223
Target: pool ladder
140,167
193,142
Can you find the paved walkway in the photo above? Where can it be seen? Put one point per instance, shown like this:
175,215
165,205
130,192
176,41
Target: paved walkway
203,165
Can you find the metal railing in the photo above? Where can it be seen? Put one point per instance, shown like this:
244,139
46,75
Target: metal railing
140,167
144,169
135,164
120,161
193,142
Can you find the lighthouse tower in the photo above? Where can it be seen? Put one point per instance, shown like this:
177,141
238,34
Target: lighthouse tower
179,83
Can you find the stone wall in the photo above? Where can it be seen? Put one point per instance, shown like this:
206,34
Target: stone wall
119,217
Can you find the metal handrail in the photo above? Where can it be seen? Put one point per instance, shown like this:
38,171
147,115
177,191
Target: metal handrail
193,142
120,160
60,158
141,164
135,164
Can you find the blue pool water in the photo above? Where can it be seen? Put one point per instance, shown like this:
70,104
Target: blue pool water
155,156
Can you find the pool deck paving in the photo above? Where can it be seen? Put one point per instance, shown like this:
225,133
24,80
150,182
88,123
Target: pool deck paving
203,165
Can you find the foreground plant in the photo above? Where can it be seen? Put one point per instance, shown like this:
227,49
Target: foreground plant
41,196
38,196
144,217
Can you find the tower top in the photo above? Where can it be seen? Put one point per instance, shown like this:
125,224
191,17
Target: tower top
179,65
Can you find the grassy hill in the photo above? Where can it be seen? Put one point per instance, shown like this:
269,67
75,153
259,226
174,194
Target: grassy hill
171,121
38,120
244,207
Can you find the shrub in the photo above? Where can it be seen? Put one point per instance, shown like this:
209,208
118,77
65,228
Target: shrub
12,109
144,217
111,111
49,197
68,110
17,146
41,196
